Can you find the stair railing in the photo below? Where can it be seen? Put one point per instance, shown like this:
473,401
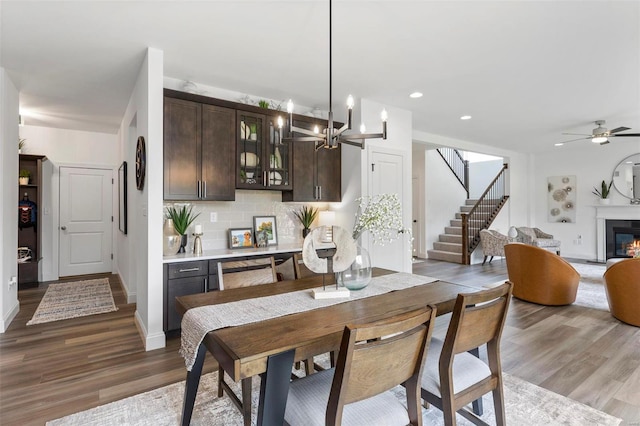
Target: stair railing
483,213
458,165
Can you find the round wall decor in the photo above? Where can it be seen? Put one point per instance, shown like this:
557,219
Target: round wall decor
141,162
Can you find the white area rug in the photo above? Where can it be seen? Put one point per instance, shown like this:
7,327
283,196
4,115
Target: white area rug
526,404
591,292
74,299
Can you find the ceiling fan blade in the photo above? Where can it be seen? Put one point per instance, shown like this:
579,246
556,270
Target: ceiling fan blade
619,129
628,134
579,139
576,134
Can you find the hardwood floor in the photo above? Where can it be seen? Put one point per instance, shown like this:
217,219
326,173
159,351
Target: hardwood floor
54,369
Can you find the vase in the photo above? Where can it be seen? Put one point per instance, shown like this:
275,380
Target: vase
358,275
183,242
23,180
305,232
604,201
171,239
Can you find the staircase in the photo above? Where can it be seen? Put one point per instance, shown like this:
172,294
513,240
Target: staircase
449,245
463,236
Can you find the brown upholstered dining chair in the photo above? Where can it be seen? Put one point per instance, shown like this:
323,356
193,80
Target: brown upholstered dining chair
373,359
622,283
452,377
540,276
234,274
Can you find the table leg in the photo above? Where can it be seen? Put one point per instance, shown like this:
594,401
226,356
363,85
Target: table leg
191,386
274,389
477,404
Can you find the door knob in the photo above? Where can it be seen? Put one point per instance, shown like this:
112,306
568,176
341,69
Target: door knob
64,228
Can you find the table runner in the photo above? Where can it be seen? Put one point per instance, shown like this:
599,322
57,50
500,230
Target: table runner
197,322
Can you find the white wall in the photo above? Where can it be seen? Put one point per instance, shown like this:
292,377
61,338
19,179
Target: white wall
481,175
590,163
9,101
64,147
144,115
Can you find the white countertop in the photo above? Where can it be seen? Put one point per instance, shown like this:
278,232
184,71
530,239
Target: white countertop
227,253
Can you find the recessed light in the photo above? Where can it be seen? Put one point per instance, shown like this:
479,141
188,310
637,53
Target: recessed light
415,95
558,144
465,117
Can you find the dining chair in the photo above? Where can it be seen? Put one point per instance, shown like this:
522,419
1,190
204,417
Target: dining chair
234,274
452,377
374,358
245,273
301,269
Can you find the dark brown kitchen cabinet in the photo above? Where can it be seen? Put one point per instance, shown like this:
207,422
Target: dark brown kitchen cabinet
199,151
316,173
263,161
182,279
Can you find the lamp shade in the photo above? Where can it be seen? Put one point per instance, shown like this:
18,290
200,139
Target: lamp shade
513,232
326,217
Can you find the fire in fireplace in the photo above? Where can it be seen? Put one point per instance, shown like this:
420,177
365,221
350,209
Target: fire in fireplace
623,238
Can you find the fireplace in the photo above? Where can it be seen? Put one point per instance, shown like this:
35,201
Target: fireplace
622,236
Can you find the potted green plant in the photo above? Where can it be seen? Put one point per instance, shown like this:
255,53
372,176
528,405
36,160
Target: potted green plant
263,104
24,176
182,218
603,192
306,215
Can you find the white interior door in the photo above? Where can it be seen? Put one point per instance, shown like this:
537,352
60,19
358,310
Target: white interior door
85,220
386,176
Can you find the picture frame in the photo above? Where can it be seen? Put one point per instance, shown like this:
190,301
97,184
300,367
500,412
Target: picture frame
266,223
240,238
122,198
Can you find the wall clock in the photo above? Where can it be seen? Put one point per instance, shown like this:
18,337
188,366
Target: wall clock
141,162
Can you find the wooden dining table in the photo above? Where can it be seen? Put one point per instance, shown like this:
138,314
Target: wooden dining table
269,348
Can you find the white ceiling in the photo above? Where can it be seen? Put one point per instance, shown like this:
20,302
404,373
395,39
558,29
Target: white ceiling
525,70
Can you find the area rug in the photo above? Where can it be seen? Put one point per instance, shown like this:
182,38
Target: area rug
74,299
526,404
591,292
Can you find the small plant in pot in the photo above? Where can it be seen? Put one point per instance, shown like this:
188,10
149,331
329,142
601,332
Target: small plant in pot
24,176
306,215
603,192
182,218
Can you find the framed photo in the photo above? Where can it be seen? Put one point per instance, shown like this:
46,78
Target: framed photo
122,198
266,223
240,238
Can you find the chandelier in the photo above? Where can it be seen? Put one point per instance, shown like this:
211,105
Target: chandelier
331,137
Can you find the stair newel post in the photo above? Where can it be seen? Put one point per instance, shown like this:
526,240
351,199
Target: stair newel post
465,239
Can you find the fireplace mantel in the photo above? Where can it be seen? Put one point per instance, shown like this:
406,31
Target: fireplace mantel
604,212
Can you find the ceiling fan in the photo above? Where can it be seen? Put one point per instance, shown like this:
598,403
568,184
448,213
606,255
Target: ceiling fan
600,134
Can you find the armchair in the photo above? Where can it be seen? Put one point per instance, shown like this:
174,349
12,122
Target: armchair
492,244
622,282
540,276
535,237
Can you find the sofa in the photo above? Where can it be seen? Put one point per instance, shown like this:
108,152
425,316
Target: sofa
540,276
535,237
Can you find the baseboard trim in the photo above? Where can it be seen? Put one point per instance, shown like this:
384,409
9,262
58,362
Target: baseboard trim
6,321
151,341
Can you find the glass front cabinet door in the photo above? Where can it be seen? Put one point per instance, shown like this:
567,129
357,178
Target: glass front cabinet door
264,160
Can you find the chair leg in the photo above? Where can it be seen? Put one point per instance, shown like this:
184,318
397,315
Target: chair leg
491,259
220,379
308,366
484,260
246,400
498,404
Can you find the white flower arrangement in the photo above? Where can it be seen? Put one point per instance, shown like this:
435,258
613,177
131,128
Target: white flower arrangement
381,215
